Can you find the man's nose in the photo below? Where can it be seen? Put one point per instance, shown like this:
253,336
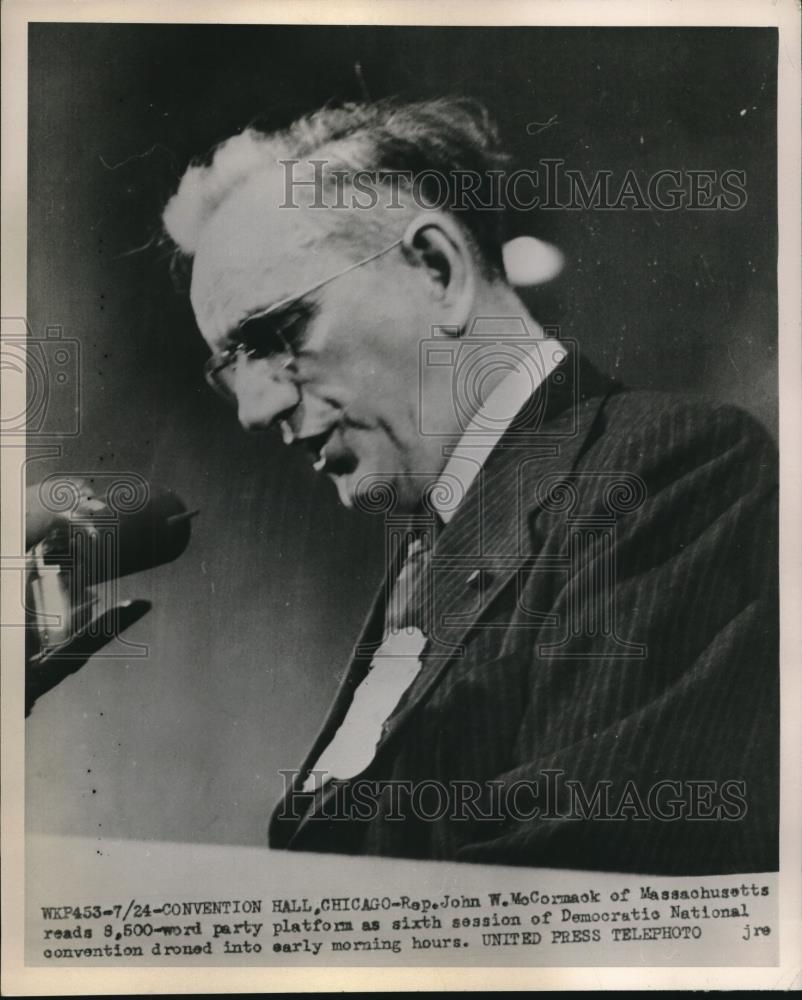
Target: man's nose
263,399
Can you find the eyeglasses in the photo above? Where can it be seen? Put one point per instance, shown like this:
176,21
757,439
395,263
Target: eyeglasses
270,335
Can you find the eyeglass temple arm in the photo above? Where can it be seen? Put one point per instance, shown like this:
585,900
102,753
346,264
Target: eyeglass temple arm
351,267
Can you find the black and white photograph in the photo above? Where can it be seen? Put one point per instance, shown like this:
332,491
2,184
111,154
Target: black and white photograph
399,467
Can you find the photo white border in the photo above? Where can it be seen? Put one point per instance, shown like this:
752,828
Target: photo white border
783,14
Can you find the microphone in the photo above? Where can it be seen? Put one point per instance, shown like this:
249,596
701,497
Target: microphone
79,545
104,539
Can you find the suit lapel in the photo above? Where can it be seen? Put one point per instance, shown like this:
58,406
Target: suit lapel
489,541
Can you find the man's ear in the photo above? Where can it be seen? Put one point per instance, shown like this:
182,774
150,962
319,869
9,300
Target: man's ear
435,242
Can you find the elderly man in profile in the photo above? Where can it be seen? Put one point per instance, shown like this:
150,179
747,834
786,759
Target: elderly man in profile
572,660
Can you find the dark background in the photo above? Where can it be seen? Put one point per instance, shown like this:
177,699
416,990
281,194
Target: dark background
251,628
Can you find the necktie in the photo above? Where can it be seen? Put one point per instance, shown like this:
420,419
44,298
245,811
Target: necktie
409,603
395,665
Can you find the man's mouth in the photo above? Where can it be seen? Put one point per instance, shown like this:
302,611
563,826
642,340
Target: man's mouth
315,445
327,457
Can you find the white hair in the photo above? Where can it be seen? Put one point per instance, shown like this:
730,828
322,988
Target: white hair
204,187
441,137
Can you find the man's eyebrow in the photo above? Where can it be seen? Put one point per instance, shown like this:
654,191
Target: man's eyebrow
279,310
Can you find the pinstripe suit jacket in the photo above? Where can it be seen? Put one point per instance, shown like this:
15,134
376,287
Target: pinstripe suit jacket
601,680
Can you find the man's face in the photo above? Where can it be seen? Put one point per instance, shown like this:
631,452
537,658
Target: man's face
351,395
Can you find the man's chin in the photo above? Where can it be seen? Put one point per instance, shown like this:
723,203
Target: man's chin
366,492
370,492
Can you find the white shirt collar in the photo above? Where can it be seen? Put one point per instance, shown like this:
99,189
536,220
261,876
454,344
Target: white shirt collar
535,363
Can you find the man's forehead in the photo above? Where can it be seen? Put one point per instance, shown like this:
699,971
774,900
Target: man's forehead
253,251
